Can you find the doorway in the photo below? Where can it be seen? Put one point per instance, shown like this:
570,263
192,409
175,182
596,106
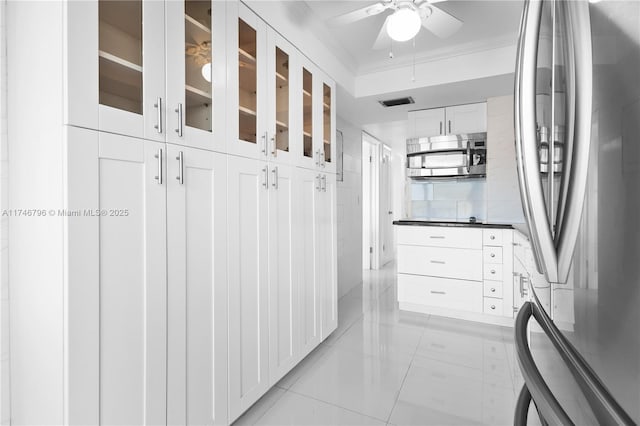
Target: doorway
377,202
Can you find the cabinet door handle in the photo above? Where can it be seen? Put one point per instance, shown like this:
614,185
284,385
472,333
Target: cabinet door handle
264,143
274,151
321,157
449,126
318,180
159,157
180,124
158,106
275,177
180,176
523,291
441,127
318,158
265,172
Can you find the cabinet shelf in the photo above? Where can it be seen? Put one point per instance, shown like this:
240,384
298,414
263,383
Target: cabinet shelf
281,125
307,134
245,57
326,142
196,25
197,95
281,77
246,111
306,93
119,61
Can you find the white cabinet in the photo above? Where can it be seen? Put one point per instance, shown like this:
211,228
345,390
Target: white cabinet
326,252
136,68
469,118
325,116
116,283
247,227
451,120
194,36
197,304
114,69
426,123
284,334
304,223
461,272
147,282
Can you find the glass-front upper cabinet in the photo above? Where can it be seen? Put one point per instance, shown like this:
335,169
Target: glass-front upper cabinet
328,152
195,37
247,82
282,73
114,78
306,150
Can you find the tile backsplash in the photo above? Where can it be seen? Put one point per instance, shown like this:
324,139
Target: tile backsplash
448,200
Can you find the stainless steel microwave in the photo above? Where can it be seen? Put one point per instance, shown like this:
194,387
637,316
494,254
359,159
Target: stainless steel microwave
451,156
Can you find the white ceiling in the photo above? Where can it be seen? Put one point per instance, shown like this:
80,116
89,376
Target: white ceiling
485,23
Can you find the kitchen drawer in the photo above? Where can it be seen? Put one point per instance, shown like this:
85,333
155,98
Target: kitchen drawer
492,237
443,262
493,271
492,254
492,289
492,306
440,236
440,292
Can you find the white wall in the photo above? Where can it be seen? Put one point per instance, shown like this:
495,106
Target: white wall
4,223
349,199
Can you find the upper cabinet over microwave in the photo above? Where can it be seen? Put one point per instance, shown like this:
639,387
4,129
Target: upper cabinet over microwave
452,120
132,72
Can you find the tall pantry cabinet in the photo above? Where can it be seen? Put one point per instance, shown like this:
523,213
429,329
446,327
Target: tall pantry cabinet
180,257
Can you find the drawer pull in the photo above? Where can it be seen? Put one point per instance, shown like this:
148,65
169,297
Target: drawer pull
438,292
493,307
493,290
438,237
439,262
493,271
493,237
493,255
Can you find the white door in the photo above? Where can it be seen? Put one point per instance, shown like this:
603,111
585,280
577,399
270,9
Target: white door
282,75
247,228
195,83
327,250
246,82
283,286
469,118
426,123
115,79
197,257
386,205
116,281
307,185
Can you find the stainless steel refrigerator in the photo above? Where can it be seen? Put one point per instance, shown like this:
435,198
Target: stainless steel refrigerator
577,114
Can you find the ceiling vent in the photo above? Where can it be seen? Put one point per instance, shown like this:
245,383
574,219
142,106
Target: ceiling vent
395,102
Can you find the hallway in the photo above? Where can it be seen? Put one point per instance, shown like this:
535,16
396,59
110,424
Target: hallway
383,366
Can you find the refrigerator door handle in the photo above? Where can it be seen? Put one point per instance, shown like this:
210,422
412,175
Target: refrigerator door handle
533,200
603,405
547,404
579,35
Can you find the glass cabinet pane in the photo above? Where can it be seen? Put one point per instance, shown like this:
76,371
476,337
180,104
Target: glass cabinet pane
198,57
282,100
307,118
326,117
120,54
247,64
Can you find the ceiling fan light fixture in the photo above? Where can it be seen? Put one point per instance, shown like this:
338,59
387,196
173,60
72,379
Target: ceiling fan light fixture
404,24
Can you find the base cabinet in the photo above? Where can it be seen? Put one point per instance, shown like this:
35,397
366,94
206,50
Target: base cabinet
147,282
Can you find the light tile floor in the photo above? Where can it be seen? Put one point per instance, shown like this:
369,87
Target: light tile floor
383,366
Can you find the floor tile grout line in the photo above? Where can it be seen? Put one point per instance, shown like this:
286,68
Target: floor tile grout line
337,406
395,402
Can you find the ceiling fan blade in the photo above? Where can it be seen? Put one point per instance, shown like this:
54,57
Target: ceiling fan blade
441,23
358,14
383,41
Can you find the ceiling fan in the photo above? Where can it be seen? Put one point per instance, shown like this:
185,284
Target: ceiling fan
405,21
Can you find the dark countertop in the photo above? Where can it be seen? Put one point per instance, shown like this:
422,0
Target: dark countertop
414,222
